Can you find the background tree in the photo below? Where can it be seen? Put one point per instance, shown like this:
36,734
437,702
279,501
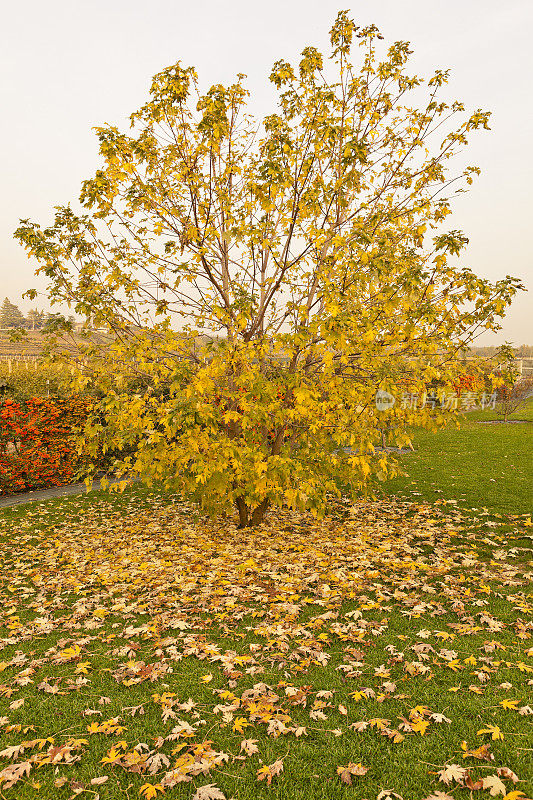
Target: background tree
513,395
10,315
36,318
513,390
309,249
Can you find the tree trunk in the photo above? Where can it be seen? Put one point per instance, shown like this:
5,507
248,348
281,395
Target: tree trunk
251,520
243,512
258,513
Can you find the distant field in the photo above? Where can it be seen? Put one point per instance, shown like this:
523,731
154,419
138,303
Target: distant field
31,346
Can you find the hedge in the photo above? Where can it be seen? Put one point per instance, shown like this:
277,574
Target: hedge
38,442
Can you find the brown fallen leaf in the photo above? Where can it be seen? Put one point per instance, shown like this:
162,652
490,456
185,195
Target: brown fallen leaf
508,774
351,769
270,771
156,762
249,746
12,774
439,796
473,785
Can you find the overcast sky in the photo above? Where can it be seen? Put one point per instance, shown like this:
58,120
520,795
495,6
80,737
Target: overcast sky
67,65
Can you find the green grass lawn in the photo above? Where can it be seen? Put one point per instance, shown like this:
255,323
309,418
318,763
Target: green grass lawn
145,645
479,465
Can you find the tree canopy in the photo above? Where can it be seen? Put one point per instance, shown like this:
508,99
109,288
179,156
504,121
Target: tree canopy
10,315
308,249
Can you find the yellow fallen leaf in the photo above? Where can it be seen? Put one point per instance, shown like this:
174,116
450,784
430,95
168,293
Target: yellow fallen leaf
494,731
420,726
94,727
150,790
240,724
509,704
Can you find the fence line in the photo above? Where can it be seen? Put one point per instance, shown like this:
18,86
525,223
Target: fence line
28,361
524,365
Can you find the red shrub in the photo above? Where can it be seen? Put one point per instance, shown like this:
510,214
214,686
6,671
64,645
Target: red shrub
37,442
467,383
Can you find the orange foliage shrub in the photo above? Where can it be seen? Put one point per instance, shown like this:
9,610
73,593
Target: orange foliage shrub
467,383
37,442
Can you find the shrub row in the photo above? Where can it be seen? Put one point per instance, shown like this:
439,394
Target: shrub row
22,381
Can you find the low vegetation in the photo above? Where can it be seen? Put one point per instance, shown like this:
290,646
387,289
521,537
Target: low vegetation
483,464
383,651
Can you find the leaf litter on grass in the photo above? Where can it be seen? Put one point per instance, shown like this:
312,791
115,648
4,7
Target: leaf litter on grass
301,631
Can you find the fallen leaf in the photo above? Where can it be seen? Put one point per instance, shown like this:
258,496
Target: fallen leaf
508,774
495,785
150,790
346,772
452,773
270,771
494,731
209,792
249,746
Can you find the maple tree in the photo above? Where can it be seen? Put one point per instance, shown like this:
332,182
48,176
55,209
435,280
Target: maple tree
309,251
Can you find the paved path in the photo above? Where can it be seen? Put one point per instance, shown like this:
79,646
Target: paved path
80,488
43,494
